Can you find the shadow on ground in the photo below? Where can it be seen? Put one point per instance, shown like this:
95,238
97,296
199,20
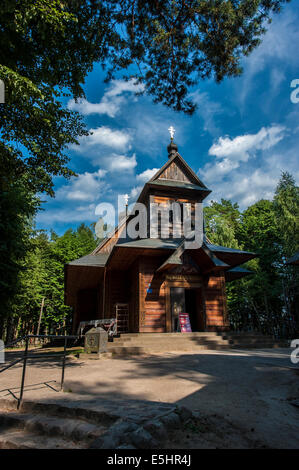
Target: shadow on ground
243,399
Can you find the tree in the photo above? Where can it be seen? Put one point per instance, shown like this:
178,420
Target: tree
72,245
170,45
221,223
47,48
17,209
267,300
286,207
263,292
32,282
42,276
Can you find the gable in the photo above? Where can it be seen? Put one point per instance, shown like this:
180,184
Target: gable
175,172
176,169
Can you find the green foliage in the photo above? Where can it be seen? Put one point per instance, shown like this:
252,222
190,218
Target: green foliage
47,48
286,206
258,233
170,45
167,45
43,277
267,300
221,222
17,209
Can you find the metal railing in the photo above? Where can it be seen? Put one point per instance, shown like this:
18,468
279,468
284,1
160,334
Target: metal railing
27,356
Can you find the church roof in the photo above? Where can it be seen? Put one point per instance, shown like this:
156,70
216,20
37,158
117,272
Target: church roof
98,260
178,184
236,273
216,253
189,172
294,259
170,243
175,174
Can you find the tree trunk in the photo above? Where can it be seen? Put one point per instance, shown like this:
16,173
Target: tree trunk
10,330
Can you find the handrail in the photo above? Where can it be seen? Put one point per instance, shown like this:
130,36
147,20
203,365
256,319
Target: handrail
23,338
10,365
26,357
12,343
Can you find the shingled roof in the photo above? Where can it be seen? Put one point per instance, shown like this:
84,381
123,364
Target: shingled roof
294,259
98,260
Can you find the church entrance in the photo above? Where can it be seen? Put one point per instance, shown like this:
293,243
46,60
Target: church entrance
186,300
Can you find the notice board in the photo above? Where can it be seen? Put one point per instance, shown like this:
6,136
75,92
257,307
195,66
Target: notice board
184,322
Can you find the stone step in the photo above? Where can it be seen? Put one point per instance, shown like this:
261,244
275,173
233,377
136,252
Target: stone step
145,343
180,340
196,333
18,439
128,336
123,350
69,428
170,341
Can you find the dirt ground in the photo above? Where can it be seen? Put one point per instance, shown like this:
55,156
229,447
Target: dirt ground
241,399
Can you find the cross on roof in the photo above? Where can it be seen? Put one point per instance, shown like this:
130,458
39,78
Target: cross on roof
171,132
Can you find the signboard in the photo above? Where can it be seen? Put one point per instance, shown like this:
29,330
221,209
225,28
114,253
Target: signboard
185,324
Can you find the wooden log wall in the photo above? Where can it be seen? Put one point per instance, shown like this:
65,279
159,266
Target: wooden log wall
151,297
117,291
174,225
134,298
215,302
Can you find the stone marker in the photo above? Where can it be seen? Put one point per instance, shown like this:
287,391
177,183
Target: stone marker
96,341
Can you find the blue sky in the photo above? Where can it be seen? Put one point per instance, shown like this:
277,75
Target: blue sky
244,133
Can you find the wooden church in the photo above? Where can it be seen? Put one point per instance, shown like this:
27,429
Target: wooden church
145,283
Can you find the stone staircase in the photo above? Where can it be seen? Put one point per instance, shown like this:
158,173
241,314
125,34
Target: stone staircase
41,425
145,343
46,426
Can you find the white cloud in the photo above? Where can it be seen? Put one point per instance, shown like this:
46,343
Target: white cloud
207,109
146,175
248,187
135,192
117,162
277,78
215,172
67,215
86,187
111,101
278,48
242,147
85,107
233,175
118,140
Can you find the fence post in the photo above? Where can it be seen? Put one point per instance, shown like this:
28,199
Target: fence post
24,372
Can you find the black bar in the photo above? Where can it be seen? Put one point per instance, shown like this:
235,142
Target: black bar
11,364
23,373
45,355
38,356
52,336
63,363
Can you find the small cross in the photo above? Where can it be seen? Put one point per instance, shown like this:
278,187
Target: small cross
126,198
171,132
